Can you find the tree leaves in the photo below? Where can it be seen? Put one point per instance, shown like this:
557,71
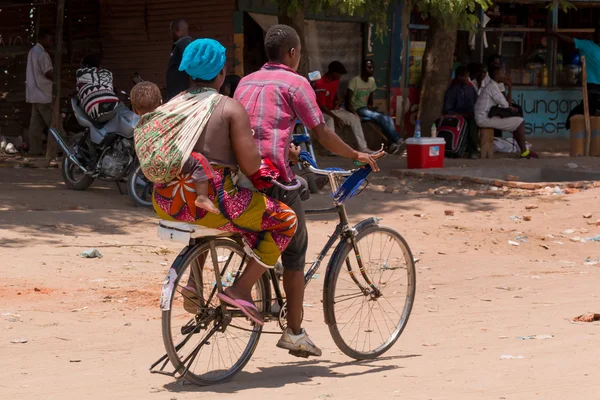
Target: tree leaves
451,14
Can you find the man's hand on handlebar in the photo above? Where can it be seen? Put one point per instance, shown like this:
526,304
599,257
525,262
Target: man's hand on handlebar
370,159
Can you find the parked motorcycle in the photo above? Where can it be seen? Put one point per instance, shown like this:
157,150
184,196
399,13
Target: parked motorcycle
106,152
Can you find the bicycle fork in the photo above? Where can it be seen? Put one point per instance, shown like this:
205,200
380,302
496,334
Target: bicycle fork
361,267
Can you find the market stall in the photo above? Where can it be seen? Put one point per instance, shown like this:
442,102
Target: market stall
545,71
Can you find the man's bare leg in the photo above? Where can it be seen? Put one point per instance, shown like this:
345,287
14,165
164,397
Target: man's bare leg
293,284
519,136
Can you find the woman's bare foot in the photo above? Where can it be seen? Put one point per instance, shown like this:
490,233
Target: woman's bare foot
231,292
204,203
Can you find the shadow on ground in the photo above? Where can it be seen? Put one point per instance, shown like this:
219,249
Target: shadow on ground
301,373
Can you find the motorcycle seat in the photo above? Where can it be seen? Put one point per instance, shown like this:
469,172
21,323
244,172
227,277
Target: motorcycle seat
82,116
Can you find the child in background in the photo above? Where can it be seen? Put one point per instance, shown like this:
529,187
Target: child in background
145,98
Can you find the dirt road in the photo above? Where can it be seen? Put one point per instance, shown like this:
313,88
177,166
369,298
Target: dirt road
92,326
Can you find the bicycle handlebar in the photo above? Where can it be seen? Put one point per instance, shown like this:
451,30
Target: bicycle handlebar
295,186
326,172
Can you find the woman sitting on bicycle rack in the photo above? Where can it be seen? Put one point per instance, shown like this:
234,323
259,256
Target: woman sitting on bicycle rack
275,97
267,226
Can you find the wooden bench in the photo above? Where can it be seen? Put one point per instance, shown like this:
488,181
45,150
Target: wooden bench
486,142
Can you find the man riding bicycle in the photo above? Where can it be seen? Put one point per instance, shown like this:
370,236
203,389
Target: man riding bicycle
275,97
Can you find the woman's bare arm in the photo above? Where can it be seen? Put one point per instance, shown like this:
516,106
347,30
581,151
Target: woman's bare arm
242,141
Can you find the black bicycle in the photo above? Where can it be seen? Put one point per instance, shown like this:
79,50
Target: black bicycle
368,295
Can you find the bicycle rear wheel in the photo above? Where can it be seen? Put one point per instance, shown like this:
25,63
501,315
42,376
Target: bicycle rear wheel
213,346
367,321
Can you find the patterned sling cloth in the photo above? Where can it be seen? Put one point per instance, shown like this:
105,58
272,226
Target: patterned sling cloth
165,138
266,225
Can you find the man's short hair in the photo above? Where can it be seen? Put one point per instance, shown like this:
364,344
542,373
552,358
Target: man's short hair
494,70
279,40
336,66
145,97
178,24
365,62
91,61
461,71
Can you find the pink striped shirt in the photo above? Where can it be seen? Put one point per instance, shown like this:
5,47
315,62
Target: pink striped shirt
275,97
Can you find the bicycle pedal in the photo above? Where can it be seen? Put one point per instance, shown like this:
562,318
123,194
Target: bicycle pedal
300,353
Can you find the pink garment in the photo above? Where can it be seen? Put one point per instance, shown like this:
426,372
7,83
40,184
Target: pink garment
275,97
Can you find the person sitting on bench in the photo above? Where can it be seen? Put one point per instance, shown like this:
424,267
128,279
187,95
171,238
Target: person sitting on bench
460,100
326,90
491,96
359,101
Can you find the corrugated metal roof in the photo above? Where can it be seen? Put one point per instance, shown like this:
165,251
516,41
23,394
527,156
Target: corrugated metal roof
16,23
137,39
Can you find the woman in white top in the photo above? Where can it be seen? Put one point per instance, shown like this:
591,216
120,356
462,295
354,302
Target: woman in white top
491,96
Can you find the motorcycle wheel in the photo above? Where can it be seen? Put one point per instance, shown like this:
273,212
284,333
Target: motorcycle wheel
75,178
139,188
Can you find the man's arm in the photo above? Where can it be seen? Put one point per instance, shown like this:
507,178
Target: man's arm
242,141
450,101
321,101
348,101
335,144
46,66
370,101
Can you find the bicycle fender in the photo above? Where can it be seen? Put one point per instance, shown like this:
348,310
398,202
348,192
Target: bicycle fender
169,283
335,258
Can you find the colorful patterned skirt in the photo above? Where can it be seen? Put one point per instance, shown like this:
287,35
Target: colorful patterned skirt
266,225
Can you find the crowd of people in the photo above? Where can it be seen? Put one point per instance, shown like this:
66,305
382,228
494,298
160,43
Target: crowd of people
483,96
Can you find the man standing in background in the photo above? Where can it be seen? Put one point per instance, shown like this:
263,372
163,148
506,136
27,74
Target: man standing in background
39,90
178,81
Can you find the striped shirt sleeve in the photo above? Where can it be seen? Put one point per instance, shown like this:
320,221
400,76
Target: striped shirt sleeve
304,103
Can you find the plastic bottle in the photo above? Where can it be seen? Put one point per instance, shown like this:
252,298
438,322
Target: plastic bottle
433,130
545,77
418,129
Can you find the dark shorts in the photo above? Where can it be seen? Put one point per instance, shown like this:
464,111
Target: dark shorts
294,256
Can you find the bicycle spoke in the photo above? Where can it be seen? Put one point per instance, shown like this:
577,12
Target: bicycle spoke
214,353
370,325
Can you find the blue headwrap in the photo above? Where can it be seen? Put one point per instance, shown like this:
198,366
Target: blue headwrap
203,59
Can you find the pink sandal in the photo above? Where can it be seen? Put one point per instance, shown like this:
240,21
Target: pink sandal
243,306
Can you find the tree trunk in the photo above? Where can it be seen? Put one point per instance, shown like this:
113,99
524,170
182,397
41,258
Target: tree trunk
437,70
295,19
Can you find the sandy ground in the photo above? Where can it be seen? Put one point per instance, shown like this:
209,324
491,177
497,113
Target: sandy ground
93,325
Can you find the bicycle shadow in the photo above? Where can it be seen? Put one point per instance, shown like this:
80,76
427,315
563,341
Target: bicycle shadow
301,373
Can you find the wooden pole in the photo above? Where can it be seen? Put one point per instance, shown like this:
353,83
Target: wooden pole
586,107
56,117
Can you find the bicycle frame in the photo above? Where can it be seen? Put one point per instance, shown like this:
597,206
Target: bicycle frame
343,233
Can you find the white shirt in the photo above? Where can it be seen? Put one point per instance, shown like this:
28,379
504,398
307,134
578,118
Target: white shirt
490,96
486,82
38,87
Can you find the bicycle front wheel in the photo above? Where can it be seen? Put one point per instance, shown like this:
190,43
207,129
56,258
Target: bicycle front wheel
211,345
368,319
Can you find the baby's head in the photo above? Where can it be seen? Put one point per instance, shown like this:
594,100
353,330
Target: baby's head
145,98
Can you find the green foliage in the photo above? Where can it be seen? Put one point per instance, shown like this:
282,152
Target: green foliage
451,13
563,5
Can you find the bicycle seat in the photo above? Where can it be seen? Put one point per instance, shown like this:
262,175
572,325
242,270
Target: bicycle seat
183,232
